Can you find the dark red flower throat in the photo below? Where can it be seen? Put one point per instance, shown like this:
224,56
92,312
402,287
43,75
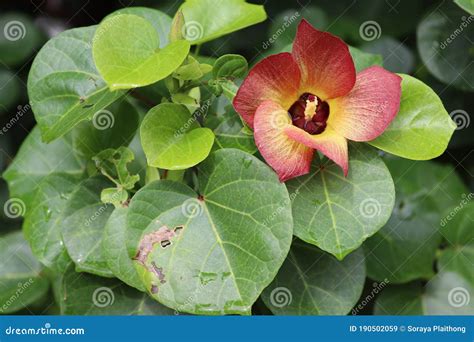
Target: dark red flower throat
310,113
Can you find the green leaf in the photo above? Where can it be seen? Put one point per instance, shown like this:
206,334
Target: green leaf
113,164
445,294
338,213
64,86
458,256
231,66
212,252
363,60
110,128
160,21
230,132
42,226
19,38
181,142
114,244
422,128
36,160
232,16
405,248
126,50
85,294
467,5
83,225
312,282
444,40
10,91
21,280
189,71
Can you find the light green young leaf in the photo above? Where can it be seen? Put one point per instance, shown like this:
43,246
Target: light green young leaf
114,244
232,66
83,225
405,248
211,252
36,160
85,294
312,282
42,227
227,17
180,144
126,50
64,86
338,213
19,271
422,128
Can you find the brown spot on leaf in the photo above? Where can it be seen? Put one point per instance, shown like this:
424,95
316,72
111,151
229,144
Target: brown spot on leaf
149,240
158,271
154,289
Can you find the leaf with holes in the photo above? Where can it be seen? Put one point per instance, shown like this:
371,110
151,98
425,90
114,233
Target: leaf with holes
312,282
422,128
182,143
211,252
338,213
126,50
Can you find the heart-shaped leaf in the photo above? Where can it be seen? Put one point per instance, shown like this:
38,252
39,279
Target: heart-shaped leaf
444,41
338,213
114,244
85,294
126,50
21,280
445,294
232,66
30,165
232,16
172,138
83,225
405,248
211,252
64,85
312,282
422,128
42,226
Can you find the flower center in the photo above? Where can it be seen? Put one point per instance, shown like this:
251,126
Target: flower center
310,113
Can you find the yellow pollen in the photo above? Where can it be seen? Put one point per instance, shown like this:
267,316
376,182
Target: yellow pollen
310,109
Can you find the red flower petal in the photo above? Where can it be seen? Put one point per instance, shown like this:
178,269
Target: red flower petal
286,156
365,112
330,143
275,78
327,68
